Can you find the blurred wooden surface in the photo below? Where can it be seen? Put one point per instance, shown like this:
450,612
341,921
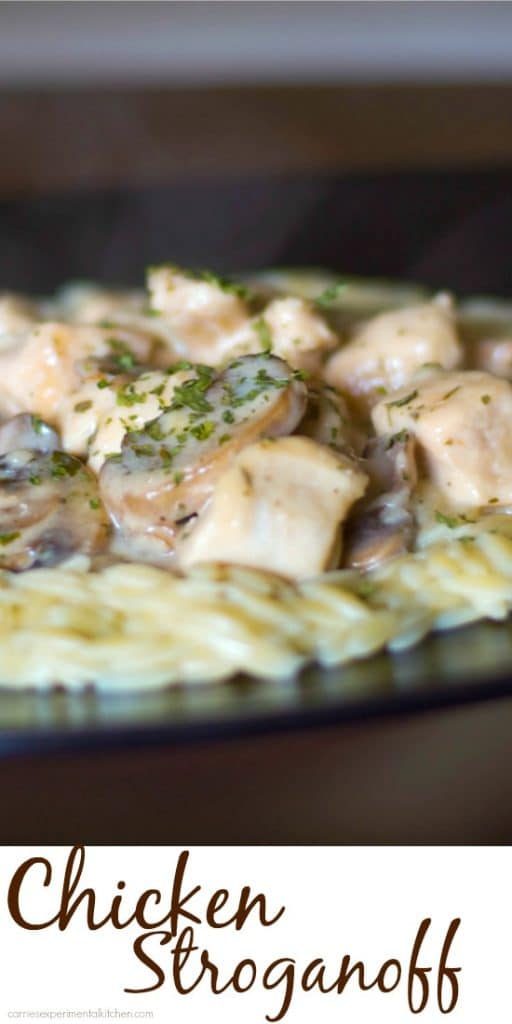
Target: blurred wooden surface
82,138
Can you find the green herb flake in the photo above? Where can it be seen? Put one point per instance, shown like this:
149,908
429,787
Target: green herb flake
154,431
64,465
260,326
178,476
38,424
485,399
366,589
182,364
330,295
127,395
202,431
399,402
34,479
493,501
450,393
82,406
224,283
191,394
452,522
401,436
102,383
94,503
228,416
7,538
224,437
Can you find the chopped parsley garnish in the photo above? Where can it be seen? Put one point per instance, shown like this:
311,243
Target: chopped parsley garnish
399,402
127,395
224,437
191,394
154,431
38,424
202,431
224,283
64,464
95,503
34,479
178,476
263,331
82,406
450,521
402,435
124,357
7,538
485,399
142,450
228,416
102,383
330,295
182,364
450,393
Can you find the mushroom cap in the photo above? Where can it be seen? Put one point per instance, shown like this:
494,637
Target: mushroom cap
168,470
49,509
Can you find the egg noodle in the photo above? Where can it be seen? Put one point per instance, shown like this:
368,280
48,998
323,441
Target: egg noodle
136,622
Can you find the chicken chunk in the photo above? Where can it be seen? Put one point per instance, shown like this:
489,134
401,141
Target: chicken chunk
385,353
203,311
46,364
291,490
167,471
462,425
298,333
211,320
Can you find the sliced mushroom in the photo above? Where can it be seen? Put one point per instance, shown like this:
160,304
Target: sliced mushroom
49,509
167,471
279,506
382,525
95,418
29,432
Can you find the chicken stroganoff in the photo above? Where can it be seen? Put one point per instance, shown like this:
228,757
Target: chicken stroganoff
209,477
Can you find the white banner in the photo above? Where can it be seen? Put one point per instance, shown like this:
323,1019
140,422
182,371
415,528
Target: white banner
248,934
